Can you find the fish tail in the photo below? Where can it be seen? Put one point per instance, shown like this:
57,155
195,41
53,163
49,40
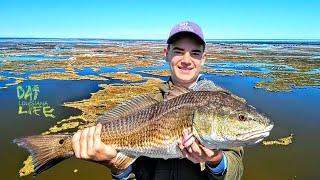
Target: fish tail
46,150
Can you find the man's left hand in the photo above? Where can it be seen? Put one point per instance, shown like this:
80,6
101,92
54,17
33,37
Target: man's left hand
193,150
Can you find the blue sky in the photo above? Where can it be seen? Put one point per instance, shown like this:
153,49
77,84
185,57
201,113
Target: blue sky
129,19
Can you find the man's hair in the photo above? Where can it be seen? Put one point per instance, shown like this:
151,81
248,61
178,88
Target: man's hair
186,35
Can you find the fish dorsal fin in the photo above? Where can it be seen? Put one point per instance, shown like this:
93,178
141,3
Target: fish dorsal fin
127,108
176,91
232,95
224,92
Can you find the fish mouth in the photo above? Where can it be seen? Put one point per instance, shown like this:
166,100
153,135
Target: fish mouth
256,135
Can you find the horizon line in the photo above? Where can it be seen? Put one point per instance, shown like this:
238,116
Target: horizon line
157,39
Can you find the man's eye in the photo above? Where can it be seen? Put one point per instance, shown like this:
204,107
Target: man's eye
177,52
196,54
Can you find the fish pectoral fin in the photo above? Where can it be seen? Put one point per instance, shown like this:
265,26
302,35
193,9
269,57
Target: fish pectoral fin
202,166
123,160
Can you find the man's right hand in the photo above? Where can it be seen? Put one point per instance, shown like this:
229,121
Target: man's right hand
87,145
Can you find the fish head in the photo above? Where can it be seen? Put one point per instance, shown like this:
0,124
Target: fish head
230,122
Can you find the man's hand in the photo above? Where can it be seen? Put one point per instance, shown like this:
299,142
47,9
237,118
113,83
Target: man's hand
193,150
87,145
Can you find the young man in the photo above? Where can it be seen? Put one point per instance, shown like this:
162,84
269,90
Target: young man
185,54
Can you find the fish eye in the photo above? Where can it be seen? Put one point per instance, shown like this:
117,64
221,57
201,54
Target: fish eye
242,117
61,141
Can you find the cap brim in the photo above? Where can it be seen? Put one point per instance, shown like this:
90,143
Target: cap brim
176,35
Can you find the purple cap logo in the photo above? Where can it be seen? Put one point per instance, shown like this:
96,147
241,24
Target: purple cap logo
186,27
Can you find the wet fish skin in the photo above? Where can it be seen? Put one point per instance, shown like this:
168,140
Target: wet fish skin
145,127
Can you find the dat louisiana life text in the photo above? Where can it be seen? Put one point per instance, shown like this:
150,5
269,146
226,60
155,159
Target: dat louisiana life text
29,103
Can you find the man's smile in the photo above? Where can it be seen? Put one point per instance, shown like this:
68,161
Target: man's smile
185,69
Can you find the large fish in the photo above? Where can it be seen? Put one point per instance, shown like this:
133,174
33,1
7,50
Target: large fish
146,127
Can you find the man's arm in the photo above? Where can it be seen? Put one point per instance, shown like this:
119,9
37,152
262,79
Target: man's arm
234,165
123,175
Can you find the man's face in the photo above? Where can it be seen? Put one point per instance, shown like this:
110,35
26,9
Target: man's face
185,57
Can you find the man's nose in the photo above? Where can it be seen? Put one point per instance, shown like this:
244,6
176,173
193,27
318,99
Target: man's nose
186,58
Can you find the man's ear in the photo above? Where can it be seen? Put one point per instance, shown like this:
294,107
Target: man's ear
203,59
165,53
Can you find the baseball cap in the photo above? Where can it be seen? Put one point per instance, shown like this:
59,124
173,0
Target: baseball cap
186,27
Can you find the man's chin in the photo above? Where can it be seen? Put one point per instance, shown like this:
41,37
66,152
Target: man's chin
185,79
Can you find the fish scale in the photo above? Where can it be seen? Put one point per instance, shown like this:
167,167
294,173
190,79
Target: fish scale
180,117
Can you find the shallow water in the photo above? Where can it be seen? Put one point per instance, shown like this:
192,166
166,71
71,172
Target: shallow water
33,58
292,112
4,82
249,66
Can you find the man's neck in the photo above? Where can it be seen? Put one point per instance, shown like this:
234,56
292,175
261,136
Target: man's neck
186,85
